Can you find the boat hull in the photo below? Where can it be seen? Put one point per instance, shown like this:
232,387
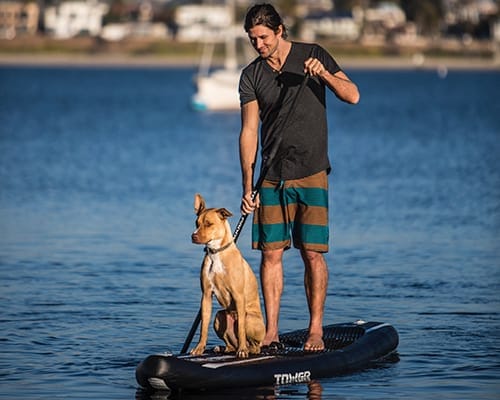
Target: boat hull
217,91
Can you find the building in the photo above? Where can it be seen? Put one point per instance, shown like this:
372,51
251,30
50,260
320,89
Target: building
73,18
341,27
371,24
203,22
18,18
141,25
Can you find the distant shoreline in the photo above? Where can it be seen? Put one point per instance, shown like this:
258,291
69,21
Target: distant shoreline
147,52
346,61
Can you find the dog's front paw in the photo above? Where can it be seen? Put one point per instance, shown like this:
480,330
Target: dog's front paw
254,349
197,350
242,353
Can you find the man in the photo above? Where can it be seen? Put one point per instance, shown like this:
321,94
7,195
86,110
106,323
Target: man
293,200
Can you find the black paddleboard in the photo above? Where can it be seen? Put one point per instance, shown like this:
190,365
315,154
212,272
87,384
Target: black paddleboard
349,347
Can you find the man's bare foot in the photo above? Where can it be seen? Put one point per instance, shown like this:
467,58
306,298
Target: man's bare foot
268,339
314,343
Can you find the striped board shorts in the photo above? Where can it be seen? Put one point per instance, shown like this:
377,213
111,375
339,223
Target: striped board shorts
292,210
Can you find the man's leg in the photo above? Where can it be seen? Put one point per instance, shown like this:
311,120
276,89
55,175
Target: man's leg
271,278
316,283
225,327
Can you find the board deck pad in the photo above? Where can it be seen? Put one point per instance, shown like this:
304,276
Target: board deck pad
334,337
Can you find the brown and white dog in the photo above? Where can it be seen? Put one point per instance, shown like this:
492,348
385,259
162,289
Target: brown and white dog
226,274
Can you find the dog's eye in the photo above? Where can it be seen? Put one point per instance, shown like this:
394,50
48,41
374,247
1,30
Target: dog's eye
208,224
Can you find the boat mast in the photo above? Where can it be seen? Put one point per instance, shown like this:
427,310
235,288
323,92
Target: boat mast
230,61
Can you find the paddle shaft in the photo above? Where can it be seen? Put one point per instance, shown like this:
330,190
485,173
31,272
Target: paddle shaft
267,162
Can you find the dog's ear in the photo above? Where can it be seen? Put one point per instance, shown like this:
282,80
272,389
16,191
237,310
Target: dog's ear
199,204
224,213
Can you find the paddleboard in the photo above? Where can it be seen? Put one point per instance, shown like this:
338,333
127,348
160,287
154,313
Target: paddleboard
349,347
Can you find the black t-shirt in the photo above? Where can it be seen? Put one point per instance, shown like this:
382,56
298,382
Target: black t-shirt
304,148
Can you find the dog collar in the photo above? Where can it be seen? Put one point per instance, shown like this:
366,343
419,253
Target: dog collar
215,251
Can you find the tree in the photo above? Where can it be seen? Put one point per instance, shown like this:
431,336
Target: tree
427,14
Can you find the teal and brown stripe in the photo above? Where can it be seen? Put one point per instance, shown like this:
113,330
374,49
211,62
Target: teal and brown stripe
306,216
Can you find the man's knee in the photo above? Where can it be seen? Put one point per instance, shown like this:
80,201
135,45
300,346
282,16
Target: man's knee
220,323
312,257
272,258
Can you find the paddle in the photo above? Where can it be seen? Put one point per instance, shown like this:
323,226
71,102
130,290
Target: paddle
267,162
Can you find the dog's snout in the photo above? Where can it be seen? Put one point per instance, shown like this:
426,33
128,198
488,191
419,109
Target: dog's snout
194,237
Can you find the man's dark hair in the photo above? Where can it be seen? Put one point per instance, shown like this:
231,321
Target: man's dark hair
264,14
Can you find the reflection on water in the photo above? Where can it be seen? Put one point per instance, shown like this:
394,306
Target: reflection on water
312,390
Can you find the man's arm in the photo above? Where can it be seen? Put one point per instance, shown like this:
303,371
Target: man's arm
339,83
345,89
249,141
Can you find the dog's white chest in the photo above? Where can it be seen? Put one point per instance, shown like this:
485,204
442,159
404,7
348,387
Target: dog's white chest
215,267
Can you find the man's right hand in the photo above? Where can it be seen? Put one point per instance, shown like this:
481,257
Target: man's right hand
248,205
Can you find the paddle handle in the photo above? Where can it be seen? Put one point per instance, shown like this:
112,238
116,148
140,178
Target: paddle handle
243,218
192,331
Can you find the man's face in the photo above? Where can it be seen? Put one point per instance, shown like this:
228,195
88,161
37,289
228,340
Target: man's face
264,40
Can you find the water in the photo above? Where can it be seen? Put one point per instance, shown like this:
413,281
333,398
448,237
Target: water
98,168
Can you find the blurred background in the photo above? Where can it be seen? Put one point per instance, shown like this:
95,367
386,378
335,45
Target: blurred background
171,30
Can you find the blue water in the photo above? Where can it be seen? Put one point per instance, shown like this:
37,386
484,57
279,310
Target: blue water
98,168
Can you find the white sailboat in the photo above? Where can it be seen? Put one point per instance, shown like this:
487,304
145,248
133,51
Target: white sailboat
217,88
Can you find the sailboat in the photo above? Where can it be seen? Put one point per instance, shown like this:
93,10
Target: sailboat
217,88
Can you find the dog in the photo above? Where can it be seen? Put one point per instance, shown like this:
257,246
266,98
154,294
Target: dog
226,274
